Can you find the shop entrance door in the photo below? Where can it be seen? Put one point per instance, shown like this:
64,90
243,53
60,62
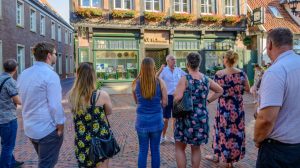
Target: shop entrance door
159,56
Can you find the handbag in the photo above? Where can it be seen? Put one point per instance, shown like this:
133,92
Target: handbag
184,107
102,148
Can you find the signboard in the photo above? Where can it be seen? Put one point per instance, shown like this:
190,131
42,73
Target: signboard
258,16
156,37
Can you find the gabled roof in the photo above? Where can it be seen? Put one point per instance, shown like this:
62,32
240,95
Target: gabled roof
271,21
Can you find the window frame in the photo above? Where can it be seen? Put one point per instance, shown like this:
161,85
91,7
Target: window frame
32,59
1,11
67,64
272,10
153,6
53,30
66,36
21,24
181,7
232,6
59,32
70,38
206,6
91,4
123,4
32,20
59,55
21,66
42,28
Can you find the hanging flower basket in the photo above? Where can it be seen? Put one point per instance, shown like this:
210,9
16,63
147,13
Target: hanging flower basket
123,13
89,12
154,16
247,41
182,17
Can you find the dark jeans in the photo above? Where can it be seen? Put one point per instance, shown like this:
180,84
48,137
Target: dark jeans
167,111
274,154
47,149
8,134
144,139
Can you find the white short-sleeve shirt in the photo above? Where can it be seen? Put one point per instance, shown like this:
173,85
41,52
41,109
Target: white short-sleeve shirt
281,87
171,79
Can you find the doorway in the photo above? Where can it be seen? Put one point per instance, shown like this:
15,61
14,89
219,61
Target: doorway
159,56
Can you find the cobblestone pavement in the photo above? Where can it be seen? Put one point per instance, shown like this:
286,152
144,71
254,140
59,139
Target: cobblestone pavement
122,121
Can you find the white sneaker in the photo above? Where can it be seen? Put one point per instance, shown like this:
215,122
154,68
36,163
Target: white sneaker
163,139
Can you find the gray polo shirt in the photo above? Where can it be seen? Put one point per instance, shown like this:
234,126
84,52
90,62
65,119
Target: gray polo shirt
281,87
7,106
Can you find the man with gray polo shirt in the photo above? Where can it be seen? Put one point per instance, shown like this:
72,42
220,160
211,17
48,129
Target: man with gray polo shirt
171,76
277,127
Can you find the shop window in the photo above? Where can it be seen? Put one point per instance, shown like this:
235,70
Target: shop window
218,45
182,48
84,55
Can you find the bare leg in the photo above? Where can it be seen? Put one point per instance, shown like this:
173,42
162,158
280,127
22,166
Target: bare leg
180,154
103,164
166,121
196,156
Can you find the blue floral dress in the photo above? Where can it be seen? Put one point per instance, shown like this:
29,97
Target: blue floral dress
88,124
229,126
194,129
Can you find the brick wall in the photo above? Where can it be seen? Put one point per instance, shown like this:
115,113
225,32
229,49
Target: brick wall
11,35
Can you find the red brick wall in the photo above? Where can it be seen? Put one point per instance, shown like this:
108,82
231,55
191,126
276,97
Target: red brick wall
11,35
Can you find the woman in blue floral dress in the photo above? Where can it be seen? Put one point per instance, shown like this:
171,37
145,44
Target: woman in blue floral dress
194,129
229,127
88,123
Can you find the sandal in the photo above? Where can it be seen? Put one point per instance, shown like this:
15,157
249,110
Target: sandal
212,158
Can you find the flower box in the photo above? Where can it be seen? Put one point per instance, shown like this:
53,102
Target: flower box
89,12
154,16
182,17
210,18
123,13
231,19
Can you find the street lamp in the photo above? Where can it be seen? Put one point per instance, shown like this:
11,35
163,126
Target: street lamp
293,4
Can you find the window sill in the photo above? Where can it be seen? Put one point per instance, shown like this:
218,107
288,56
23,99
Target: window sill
43,35
33,31
20,26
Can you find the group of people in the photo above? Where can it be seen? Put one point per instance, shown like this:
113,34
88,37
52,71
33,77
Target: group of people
276,132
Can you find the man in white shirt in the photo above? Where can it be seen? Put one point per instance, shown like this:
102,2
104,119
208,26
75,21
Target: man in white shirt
42,111
277,127
171,76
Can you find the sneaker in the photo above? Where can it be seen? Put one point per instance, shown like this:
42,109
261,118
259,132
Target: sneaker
18,164
163,139
172,140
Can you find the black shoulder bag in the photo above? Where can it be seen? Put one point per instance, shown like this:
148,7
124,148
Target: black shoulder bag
184,107
103,148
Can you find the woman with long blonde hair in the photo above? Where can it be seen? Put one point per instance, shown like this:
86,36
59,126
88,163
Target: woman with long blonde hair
88,123
150,94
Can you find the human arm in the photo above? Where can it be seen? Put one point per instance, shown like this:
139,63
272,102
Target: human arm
217,91
178,94
247,85
12,91
106,101
265,123
271,100
54,97
164,100
160,70
133,93
16,99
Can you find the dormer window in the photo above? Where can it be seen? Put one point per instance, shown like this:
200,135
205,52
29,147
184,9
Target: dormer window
275,12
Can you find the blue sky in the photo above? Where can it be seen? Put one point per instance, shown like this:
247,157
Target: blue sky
62,7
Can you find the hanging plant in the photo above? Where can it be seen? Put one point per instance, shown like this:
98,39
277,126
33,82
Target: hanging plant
247,41
210,18
182,17
89,12
123,13
154,16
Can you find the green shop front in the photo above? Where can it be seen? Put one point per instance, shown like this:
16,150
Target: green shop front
116,56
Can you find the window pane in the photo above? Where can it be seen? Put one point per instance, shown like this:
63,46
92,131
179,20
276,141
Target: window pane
177,9
85,3
185,8
118,4
148,6
157,6
97,3
127,4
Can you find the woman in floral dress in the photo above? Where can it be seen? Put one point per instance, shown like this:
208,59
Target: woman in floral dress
229,127
88,123
194,129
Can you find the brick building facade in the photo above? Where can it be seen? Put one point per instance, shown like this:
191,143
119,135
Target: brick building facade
117,34
23,23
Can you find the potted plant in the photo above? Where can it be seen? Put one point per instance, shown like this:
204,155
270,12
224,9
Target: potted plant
154,16
182,17
247,41
89,12
123,13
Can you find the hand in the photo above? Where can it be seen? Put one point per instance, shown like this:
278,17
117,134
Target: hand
162,66
60,129
255,115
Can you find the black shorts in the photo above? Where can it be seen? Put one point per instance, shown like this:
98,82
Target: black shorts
167,112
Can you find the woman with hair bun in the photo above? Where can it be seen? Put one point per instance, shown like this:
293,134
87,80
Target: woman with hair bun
229,126
194,128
